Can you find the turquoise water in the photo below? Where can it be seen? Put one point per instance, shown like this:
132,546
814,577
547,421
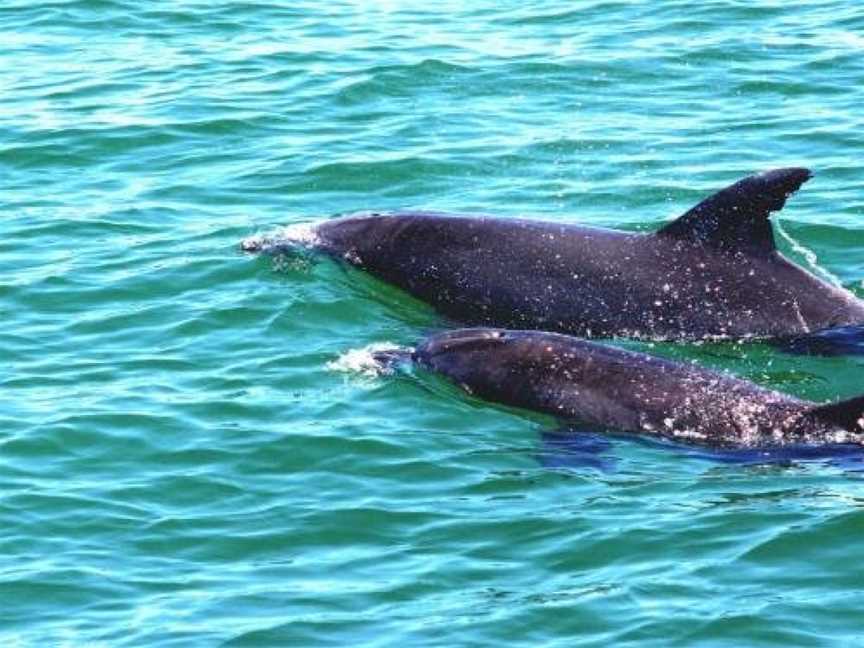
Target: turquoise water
180,462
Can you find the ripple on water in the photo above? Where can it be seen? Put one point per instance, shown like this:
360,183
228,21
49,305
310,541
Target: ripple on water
178,463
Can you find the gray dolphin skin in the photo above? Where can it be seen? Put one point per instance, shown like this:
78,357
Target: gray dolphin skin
712,273
603,386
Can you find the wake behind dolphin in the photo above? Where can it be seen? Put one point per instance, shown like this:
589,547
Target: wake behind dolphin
714,272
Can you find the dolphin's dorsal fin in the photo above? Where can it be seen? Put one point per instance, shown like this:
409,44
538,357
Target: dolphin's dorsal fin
736,218
847,414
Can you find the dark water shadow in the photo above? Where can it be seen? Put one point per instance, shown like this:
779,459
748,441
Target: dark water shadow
837,341
570,448
575,448
846,456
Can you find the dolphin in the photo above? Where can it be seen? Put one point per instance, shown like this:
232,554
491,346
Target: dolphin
611,389
713,273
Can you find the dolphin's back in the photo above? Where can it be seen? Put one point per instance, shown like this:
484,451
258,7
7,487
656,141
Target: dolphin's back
607,387
713,272
588,281
485,270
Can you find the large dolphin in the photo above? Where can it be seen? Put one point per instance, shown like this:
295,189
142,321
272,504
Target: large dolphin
712,273
603,387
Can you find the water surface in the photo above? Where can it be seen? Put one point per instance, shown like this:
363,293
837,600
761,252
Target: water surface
178,464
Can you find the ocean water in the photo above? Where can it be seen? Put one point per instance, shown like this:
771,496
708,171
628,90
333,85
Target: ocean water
188,457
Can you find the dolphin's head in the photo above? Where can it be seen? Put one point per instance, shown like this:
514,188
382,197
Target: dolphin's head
491,363
446,352
531,369
478,359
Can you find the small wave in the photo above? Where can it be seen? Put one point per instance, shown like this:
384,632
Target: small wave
302,235
809,256
371,361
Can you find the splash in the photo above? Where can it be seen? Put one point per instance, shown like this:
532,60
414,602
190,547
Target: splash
298,235
371,361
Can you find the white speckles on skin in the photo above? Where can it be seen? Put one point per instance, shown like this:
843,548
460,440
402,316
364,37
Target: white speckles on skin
797,308
691,435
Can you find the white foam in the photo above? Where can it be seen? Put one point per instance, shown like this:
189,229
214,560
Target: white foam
809,256
363,361
295,235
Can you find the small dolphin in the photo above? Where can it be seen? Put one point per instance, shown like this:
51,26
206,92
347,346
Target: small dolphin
712,273
603,387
